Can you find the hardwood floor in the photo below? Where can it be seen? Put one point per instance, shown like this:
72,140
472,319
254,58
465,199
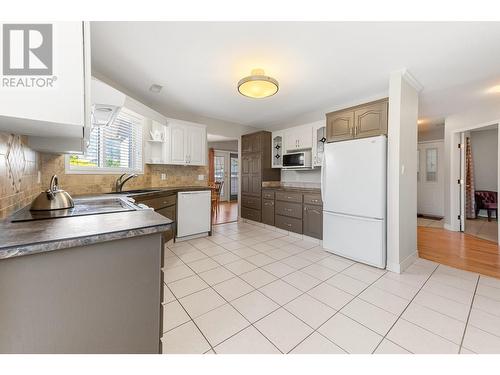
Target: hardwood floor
228,212
459,250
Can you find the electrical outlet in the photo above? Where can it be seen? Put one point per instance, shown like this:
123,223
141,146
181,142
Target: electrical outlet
163,176
201,177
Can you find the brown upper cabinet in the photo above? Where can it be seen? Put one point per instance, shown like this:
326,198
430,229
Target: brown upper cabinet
366,120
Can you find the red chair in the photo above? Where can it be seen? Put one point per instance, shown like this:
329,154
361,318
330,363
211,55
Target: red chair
486,200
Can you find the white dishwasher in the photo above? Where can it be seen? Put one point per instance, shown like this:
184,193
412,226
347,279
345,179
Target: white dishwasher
193,213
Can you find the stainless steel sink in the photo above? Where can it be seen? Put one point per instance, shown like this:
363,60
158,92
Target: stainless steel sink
83,206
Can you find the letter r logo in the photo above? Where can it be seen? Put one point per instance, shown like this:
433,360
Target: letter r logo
27,49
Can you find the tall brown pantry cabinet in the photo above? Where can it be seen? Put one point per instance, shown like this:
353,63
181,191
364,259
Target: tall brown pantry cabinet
255,168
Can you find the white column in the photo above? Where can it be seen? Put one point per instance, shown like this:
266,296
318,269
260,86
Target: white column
402,171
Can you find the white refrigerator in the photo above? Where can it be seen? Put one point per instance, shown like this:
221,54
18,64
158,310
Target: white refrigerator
353,188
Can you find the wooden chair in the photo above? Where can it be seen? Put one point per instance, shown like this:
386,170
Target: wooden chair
218,191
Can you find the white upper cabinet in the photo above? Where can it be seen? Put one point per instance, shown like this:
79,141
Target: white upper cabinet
44,92
178,134
277,149
197,145
319,140
298,138
188,144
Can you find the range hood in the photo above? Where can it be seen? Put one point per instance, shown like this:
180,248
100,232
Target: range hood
106,103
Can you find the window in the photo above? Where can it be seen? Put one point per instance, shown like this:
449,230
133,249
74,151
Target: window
112,149
431,164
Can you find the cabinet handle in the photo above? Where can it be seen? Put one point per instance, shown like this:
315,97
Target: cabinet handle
288,209
288,225
315,200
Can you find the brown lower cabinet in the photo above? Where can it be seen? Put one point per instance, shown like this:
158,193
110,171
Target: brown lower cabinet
165,205
313,221
268,211
292,210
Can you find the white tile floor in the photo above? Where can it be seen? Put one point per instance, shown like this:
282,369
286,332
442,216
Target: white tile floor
249,289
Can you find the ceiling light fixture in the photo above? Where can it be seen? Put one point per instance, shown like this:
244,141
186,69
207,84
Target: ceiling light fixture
155,88
258,85
495,89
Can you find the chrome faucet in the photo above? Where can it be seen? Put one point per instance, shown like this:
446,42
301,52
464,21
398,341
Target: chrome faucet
120,181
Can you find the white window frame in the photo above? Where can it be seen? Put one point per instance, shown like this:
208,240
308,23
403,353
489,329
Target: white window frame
106,170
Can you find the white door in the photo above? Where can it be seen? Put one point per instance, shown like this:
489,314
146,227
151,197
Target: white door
196,145
178,136
222,172
430,178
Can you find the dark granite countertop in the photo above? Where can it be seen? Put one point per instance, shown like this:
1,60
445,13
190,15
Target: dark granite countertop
294,188
25,238
155,192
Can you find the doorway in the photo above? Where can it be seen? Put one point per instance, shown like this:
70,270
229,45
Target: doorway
430,183
479,183
226,172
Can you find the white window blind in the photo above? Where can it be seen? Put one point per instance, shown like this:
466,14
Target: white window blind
113,148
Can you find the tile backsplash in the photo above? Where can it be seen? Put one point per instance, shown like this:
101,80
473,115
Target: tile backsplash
19,166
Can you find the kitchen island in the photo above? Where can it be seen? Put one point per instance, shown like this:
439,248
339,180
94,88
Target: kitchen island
84,284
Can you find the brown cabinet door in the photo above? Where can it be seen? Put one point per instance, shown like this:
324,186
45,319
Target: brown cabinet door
245,164
268,212
339,126
255,164
256,143
313,221
371,120
250,202
255,184
289,209
246,143
250,214
288,223
245,183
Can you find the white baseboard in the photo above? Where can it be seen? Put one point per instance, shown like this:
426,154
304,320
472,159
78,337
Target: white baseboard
450,228
400,267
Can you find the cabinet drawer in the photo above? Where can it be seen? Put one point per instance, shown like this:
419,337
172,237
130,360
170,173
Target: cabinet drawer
250,214
314,199
289,209
288,196
250,202
268,212
157,203
268,194
288,223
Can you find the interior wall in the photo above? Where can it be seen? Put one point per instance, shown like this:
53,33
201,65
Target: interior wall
225,145
19,166
431,133
76,184
484,157
401,172
309,176
488,113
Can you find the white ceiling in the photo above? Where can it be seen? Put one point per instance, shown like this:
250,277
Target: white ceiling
320,66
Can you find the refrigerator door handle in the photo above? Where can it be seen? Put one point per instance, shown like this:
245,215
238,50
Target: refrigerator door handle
323,176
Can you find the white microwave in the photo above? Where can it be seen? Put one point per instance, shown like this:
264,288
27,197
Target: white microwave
297,160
